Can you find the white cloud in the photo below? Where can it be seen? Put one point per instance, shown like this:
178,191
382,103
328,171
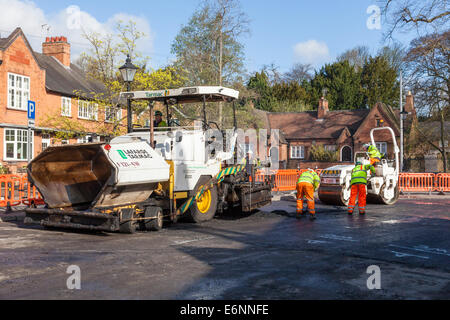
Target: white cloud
311,51
70,22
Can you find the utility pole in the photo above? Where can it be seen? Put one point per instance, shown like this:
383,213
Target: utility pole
401,121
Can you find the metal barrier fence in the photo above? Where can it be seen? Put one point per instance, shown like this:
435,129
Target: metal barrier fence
15,190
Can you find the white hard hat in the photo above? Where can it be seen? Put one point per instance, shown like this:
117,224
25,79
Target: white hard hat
366,145
249,152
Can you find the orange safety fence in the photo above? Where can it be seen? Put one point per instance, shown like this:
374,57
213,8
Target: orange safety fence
30,194
286,180
15,190
417,182
10,190
443,182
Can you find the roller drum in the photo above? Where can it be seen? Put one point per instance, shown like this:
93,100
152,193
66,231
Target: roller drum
333,195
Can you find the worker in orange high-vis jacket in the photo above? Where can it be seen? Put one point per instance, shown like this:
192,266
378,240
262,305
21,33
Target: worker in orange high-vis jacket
359,187
307,184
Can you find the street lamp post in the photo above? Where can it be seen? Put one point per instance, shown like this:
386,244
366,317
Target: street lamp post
128,71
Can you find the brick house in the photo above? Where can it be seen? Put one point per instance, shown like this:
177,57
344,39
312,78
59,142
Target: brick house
344,131
52,81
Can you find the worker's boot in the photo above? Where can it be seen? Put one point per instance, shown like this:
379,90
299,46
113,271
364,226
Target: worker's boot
301,215
312,217
350,213
362,213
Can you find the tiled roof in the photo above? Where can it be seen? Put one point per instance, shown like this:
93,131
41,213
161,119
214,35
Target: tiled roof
58,79
66,80
305,125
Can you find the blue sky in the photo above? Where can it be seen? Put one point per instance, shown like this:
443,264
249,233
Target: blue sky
282,32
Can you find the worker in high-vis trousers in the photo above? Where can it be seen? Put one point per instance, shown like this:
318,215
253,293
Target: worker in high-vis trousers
359,187
374,155
307,184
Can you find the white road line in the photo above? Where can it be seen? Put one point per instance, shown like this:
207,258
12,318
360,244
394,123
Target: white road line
180,242
336,237
317,242
404,255
423,248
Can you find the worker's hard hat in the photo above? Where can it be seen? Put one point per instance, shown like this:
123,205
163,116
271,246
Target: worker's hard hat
158,113
249,152
366,146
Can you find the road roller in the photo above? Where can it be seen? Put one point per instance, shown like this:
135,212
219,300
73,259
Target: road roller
382,188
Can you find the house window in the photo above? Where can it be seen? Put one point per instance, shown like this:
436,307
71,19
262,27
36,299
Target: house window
45,143
382,147
88,139
18,91
113,114
16,145
297,152
66,107
330,147
87,110
346,154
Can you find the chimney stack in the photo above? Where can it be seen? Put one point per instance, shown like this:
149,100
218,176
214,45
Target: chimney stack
323,108
57,47
409,104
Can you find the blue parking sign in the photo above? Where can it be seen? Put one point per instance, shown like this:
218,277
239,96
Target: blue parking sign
31,110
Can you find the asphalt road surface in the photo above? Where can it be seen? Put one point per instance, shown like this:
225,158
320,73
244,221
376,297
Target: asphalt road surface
266,255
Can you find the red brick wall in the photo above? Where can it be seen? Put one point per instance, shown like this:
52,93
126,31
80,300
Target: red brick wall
18,59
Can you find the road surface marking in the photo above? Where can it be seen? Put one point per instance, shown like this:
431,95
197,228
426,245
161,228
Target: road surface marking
423,248
404,255
336,237
317,242
179,242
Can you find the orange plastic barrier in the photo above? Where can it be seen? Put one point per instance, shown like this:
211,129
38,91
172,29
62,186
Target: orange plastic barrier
10,190
443,182
417,182
30,195
16,190
286,180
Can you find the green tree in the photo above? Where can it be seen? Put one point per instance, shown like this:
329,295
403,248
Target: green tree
343,84
379,82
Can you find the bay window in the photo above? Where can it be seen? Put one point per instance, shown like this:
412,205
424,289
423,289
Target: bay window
16,145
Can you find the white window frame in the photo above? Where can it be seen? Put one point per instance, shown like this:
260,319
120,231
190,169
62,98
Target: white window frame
382,147
297,152
109,110
87,110
85,139
47,141
330,147
66,105
24,92
15,142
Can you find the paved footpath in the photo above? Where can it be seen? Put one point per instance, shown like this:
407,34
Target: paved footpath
265,255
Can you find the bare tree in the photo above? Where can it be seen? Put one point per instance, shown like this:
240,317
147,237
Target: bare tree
209,46
429,66
423,16
356,57
299,73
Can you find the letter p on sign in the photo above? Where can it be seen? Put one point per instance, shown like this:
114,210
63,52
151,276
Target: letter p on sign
31,110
